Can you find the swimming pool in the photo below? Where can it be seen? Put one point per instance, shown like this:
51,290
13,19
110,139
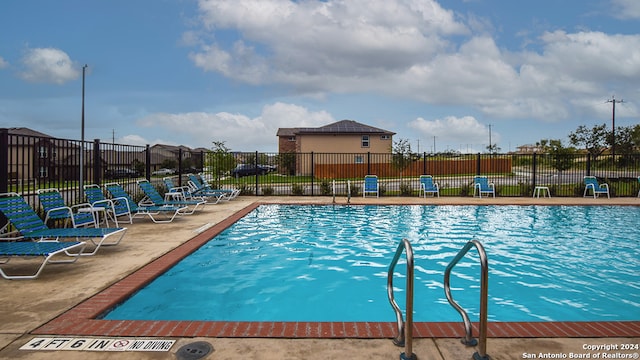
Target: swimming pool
590,272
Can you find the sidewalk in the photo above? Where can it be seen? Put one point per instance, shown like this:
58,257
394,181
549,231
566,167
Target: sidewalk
30,304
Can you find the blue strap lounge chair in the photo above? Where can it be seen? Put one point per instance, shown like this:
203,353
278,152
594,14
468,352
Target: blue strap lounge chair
120,196
45,249
172,188
481,185
186,193
370,186
597,189
428,186
55,208
153,198
28,225
198,185
115,207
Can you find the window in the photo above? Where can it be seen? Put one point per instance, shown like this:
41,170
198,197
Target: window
292,138
385,137
358,159
365,141
43,152
43,171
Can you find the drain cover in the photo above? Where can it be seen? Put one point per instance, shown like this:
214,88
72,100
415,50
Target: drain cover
194,351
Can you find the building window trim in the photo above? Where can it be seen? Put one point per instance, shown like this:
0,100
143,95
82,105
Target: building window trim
365,142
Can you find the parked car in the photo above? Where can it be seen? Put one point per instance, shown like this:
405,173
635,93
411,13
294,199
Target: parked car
163,172
121,173
250,169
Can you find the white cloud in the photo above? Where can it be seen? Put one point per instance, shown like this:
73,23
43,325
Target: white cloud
626,9
239,132
3,63
311,39
48,65
414,49
455,130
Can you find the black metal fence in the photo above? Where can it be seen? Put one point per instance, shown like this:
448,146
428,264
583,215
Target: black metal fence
28,163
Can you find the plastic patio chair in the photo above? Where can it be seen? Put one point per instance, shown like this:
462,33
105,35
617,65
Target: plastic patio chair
597,189
428,186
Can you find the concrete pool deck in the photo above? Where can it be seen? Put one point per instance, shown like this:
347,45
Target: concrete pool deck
30,307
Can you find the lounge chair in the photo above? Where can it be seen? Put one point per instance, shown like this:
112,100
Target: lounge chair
370,186
44,249
591,183
120,196
198,185
153,198
115,207
55,209
172,188
28,225
428,186
481,185
185,192
638,183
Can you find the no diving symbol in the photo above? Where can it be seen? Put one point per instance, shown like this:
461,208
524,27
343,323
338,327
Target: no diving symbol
120,345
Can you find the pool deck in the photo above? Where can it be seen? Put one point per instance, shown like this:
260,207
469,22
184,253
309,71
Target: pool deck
63,302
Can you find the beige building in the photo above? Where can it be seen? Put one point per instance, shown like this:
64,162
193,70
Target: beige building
345,136
358,144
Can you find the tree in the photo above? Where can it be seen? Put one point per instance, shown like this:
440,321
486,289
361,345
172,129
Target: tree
493,149
287,162
594,140
561,157
219,161
627,141
402,156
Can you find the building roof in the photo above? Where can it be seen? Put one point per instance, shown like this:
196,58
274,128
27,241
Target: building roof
340,127
26,131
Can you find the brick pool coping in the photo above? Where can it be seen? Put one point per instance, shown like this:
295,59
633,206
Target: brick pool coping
83,319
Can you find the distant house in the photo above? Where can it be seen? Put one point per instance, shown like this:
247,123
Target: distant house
345,136
190,158
35,155
359,142
528,149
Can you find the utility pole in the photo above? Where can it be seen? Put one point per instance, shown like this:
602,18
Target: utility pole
82,135
613,102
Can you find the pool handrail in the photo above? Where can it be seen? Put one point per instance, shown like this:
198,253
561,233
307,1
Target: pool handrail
405,329
468,340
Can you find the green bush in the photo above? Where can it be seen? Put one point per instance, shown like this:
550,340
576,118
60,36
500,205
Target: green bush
297,189
267,191
325,187
245,189
406,189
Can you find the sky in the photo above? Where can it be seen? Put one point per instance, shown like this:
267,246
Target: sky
446,75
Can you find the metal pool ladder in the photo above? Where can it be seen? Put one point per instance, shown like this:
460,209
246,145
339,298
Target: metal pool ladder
405,329
468,340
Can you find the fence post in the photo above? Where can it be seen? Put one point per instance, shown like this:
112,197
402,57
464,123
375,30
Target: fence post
424,163
179,166
533,170
368,163
313,172
257,172
588,165
147,160
97,164
4,167
4,160
478,165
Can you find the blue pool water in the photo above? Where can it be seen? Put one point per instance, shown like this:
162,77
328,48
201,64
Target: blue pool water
329,263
